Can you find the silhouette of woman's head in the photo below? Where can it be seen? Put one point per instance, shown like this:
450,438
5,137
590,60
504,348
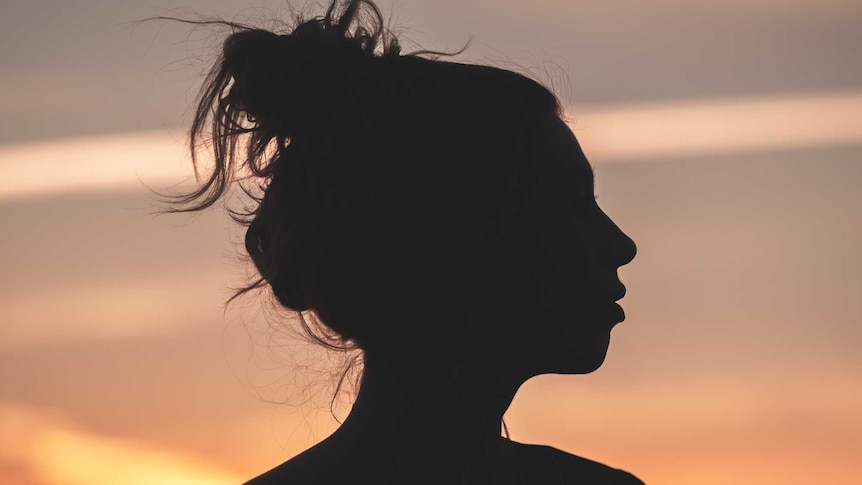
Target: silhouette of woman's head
422,210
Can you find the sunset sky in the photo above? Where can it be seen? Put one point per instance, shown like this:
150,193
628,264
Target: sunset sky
726,136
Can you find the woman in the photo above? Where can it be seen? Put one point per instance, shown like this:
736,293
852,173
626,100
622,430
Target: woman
438,216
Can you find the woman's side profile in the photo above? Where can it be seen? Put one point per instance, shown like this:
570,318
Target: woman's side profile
436,215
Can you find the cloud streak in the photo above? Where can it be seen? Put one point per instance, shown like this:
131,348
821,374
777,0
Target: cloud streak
106,312
608,133
696,128
56,452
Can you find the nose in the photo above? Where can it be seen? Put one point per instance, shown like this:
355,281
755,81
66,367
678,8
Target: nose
628,249
618,250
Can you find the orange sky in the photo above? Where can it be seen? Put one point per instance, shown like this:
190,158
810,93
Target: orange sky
740,343
733,163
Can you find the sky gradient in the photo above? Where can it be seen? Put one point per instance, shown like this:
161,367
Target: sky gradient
726,141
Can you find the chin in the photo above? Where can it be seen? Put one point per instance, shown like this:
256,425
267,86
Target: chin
579,349
569,366
595,365
589,360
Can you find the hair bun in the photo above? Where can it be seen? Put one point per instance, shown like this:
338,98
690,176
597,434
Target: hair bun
293,81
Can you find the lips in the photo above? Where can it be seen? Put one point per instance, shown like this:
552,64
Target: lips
620,313
618,293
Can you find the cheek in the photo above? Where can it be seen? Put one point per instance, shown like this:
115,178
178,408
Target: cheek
569,272
569,290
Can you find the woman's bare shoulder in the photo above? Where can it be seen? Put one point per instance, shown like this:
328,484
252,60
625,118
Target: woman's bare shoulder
284,473
552,464
577,469
304,468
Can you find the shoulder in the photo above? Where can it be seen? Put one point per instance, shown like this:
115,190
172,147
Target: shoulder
577,469
303,468
622,477
279,474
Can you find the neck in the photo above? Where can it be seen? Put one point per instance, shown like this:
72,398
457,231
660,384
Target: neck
436,413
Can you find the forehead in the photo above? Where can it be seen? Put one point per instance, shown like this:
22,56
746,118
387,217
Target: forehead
559,158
